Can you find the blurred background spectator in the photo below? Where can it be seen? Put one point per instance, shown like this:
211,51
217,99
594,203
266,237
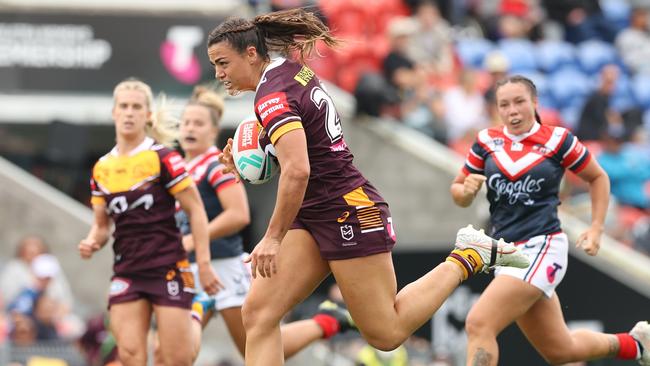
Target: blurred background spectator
22,273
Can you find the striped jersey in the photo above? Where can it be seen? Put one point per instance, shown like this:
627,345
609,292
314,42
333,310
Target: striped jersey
523,177
138,193
289,97
207,173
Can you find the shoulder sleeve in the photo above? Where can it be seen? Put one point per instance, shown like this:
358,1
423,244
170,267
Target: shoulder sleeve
96,196
217,178
96,192
173,175
572,153
475,160
277,110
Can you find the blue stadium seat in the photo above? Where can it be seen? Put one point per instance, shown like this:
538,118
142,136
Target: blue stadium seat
568,86
553,55
616,12
594,54
539,79
571,115
520,53
623,98
641,90
472,51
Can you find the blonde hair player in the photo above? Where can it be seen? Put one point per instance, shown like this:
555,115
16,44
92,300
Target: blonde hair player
522,164
327,216
135,186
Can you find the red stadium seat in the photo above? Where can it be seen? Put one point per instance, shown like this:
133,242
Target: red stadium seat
324,62
348,18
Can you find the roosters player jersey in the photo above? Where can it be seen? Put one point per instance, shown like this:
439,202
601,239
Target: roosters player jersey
207,172
290,96
138,192
523,177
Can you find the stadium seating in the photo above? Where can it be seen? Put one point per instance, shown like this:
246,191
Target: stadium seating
520,53
472,51
568,86
641,90
594,54
623,97
616,12
552,55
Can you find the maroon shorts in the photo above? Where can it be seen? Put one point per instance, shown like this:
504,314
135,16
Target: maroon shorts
354,225
170,286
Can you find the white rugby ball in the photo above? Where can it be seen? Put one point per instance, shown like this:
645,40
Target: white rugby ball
255,163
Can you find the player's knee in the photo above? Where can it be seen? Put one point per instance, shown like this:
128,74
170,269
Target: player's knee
384,344
132,353
385,340
256,317
477,326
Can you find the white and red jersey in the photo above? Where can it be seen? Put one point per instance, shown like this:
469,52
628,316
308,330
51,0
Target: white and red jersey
523,177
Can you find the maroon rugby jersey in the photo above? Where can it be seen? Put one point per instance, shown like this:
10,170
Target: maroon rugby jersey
290,96
138,192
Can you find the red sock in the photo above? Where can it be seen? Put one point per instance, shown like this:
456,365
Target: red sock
328,324
628,348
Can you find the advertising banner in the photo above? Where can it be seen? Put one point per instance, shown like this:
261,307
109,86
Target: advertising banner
85,53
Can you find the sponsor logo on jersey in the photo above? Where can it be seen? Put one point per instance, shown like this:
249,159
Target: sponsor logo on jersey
519,191
344,216
175,164
541,149
339,146
272,106
304,76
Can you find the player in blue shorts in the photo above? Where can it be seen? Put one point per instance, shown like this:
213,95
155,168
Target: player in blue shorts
327,217
135,186
522,164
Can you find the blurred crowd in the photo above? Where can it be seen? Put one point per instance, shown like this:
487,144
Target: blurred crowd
432,65
36,302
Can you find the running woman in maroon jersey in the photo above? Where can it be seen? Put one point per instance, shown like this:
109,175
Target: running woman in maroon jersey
327,216
522,164
135,186
226,205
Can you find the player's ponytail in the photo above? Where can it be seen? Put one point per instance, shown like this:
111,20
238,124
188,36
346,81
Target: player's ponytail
294,30
208,98
162,127
285,32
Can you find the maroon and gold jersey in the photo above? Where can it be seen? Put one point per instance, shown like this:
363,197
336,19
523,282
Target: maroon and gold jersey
289,96
138,193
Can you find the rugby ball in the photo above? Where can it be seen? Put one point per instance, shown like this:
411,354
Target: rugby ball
254,158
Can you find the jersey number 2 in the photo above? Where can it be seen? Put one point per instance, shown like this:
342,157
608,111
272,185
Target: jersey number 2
332,120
